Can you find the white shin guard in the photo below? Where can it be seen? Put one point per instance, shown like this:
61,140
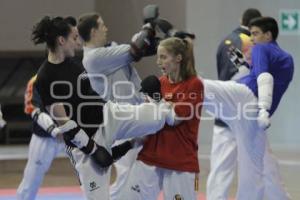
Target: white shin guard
265,83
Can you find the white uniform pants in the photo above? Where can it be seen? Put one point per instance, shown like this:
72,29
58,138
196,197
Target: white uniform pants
274,187
223,161
94,181
227,101
235,104
146,182
42,151
121,122
123,166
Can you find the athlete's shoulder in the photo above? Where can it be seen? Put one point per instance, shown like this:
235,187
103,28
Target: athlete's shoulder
42,71
30,83
45,74
163,79
288,59
45,69
32,80
261,48
286,54
195,80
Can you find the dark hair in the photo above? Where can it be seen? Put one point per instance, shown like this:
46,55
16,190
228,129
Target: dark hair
250,14
85,25
71,20
266,24
184,34
49,29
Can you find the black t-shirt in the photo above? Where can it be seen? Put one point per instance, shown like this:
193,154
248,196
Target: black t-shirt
68,83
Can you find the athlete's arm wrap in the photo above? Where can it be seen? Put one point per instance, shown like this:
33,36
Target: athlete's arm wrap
143,42
120,150
45,122
265,83
73,133
151,87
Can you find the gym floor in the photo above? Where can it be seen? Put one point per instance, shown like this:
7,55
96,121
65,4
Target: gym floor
61,183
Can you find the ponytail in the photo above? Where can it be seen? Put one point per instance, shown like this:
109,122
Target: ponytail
41,30
190,65
48,30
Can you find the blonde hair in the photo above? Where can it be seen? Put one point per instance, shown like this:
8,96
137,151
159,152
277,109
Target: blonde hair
183,47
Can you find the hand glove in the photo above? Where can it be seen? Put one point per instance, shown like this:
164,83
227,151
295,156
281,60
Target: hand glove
263,119
151,87
45,122
150,13
74,134
142,41
2,123
165,27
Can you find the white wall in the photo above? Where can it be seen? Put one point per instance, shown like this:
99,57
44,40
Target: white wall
214,19
17,18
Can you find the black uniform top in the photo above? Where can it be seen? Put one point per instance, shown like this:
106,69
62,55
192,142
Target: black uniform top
225,67
68,83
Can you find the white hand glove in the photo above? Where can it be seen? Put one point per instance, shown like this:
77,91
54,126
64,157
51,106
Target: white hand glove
147,26
135,37
80,138
2,123
55,132
139,36
69,125
167,108
263,119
